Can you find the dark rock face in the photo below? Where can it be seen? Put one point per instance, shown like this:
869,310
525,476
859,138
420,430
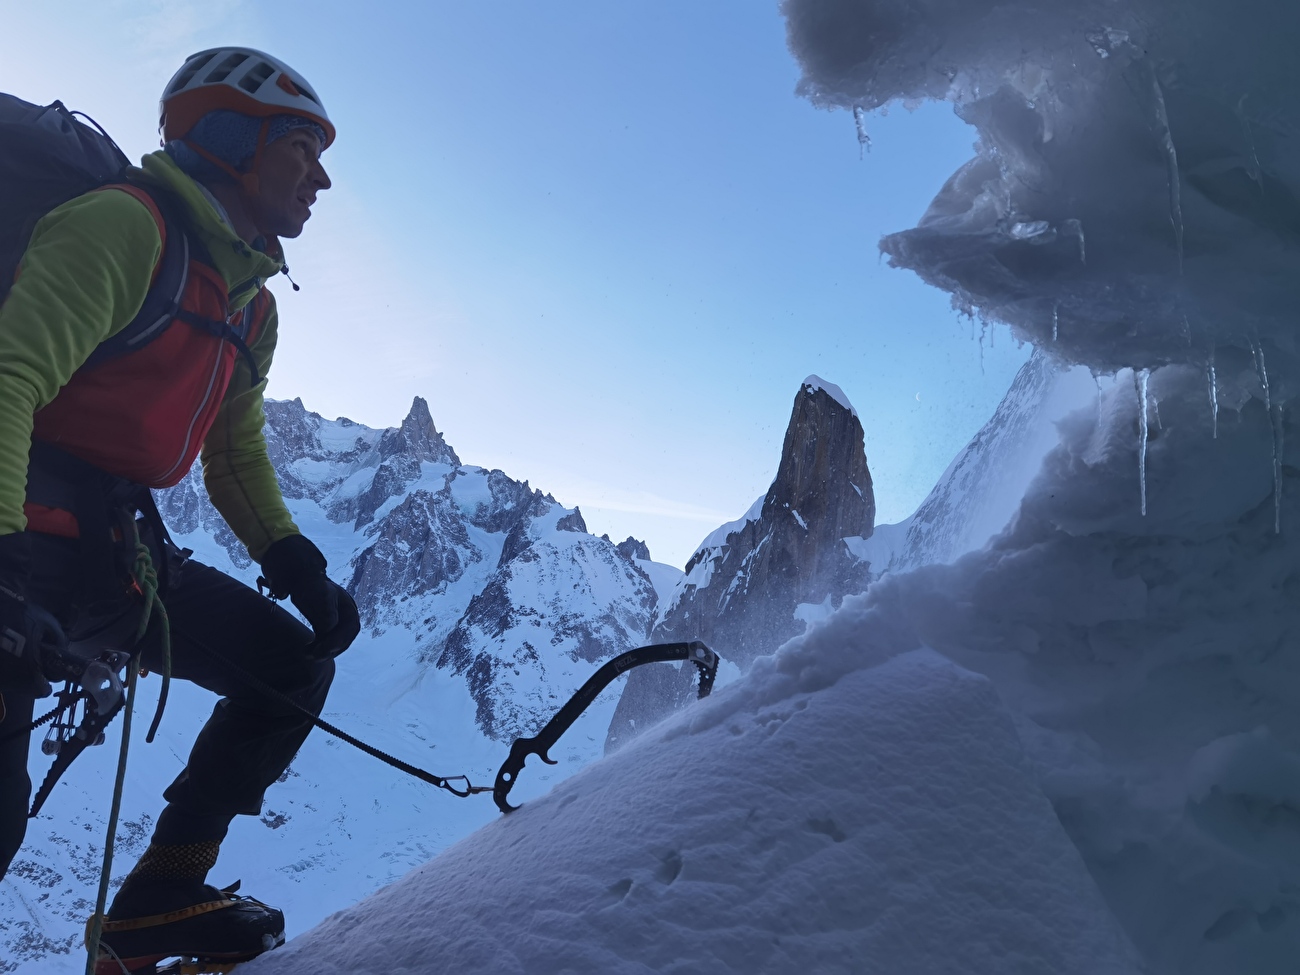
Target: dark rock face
650,694
573,522
400,451
420,548
741,594
540,622
740,597
632,548
417,438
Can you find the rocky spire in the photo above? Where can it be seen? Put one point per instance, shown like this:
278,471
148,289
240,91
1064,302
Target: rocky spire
417,438
742,595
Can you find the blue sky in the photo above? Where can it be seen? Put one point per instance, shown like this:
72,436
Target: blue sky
606,242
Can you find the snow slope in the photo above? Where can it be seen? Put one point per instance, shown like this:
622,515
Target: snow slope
880,817
1142,663
980,491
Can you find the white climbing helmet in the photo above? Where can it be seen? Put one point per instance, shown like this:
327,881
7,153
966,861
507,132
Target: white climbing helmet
239,79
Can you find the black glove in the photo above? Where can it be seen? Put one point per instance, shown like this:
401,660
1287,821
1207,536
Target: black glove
294,567
26,630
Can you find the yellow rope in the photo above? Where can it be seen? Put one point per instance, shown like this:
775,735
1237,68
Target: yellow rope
145,575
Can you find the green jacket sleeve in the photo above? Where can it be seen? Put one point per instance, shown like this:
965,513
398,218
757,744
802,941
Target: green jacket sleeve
236,468
83,277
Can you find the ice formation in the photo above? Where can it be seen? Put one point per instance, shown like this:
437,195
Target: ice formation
1139,645
1166,129
1143,380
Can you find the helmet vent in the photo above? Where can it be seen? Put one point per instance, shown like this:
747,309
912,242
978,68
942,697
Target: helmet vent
222,70
256,78
302,87
187,75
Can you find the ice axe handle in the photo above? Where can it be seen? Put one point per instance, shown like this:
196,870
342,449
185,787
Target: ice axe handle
541,743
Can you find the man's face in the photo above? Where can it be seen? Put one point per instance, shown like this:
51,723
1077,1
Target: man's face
289,178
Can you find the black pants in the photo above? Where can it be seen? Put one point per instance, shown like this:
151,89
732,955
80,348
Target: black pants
248,741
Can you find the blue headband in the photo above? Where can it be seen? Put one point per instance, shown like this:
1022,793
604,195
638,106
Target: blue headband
232,138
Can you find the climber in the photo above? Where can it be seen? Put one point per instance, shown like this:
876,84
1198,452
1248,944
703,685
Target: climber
87,425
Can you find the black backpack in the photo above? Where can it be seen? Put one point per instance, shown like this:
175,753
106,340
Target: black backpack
47,157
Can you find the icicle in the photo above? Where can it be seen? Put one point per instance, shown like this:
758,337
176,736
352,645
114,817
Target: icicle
1075,227
1213,383
1056,321
1276,416
1141,380
1261,370
1171,163
864,138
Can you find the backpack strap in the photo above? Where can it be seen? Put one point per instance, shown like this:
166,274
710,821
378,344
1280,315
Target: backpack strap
235,335
162,303
171,275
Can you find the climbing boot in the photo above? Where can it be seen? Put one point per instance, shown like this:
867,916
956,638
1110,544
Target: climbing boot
205,927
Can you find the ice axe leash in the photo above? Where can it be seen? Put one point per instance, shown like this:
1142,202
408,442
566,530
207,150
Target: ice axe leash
705,660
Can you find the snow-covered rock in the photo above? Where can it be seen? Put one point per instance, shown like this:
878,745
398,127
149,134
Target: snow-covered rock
556,607
880,820
746,583
981,489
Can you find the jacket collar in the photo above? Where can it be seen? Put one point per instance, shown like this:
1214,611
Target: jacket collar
244,269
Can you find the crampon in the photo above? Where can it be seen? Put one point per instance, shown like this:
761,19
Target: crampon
204,939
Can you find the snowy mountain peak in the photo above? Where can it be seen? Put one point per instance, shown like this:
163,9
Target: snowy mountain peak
814,383
632,549
418,438
493,579
823,477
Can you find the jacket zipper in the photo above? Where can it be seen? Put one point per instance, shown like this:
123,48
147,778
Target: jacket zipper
203,404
